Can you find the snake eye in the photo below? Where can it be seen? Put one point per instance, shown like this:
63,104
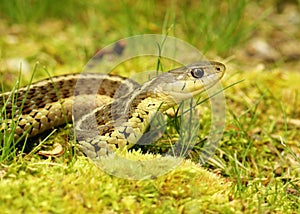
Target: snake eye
197,72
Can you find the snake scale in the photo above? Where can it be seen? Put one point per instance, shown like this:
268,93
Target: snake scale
121,108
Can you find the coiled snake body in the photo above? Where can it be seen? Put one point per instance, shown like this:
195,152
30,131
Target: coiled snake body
121,108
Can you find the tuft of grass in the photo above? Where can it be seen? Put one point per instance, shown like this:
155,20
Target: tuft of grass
8,144
219,28
11,148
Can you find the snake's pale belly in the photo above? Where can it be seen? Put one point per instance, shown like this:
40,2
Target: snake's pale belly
108,111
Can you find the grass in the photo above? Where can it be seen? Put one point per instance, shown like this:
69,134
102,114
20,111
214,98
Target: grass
256,147
8,149
257,162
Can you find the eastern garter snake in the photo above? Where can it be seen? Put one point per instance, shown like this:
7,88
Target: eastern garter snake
122,107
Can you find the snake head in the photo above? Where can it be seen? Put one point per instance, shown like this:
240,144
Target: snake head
185,82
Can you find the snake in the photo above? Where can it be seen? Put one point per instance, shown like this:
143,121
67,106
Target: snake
114,116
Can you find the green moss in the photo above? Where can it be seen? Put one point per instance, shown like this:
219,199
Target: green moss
45,186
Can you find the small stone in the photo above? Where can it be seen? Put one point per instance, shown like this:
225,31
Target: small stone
259,48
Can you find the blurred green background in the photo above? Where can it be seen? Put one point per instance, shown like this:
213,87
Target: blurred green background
64,35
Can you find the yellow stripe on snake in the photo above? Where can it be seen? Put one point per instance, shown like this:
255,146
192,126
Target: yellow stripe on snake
122,109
